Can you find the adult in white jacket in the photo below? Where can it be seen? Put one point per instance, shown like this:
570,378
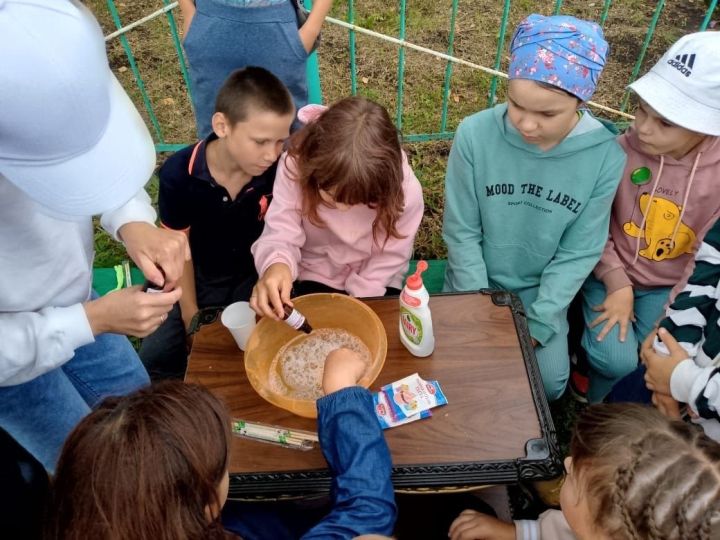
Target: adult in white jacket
72,145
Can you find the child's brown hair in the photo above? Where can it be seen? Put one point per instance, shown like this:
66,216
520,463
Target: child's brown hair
147,465
252,88
646,477
352,152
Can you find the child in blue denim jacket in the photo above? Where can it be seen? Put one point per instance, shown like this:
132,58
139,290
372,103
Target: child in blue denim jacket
155,465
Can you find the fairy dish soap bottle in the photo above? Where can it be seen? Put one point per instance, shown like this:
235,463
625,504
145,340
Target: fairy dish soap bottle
416,331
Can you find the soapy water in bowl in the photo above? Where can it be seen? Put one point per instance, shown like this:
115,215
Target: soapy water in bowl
297,369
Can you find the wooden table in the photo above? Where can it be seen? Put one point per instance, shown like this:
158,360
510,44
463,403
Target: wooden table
495,429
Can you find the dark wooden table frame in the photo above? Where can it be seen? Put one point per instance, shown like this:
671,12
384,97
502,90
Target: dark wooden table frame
501,433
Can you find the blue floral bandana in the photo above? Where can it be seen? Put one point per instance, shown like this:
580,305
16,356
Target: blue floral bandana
562,51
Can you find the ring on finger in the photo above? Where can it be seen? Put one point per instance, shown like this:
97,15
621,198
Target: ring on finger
163,317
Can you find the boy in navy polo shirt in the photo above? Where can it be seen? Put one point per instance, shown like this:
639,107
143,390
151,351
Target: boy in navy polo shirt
217,191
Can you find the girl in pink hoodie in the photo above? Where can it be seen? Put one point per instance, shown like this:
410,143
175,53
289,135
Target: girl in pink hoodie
666,202
346,207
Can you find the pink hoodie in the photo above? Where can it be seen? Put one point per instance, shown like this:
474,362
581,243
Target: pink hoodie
655,247
342,254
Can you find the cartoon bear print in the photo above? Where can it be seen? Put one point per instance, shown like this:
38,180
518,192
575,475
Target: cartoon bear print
661,220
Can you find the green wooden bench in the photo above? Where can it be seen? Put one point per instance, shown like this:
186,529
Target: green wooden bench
108,279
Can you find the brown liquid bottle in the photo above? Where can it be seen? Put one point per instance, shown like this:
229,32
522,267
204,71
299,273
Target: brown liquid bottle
296,319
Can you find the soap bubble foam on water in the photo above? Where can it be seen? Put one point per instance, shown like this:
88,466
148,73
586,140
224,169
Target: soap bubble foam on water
297,369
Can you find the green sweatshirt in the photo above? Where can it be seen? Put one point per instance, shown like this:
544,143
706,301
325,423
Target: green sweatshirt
517,217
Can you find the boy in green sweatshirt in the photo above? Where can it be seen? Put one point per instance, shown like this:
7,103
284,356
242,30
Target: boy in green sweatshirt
530,183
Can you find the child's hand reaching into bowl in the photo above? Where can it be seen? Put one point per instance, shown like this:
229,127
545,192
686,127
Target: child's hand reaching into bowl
343,368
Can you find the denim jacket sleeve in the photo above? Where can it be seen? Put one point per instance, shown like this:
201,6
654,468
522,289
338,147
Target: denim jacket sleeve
359,459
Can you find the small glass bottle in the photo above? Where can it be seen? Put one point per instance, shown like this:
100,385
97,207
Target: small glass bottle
296,319
151,287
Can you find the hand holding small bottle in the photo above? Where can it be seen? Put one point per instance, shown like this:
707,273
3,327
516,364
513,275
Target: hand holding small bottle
272,291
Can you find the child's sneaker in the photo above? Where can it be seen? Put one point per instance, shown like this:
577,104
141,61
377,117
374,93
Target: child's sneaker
579,376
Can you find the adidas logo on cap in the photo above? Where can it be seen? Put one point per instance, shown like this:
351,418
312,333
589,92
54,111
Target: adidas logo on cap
683,63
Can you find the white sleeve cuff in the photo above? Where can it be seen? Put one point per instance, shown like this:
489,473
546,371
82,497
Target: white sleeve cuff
137,209
526,529
74,322
36,343
682,379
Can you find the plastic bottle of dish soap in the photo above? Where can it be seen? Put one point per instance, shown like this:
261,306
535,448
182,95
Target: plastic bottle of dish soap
416,331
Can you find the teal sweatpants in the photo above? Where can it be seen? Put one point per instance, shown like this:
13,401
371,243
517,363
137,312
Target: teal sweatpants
552,358
610,360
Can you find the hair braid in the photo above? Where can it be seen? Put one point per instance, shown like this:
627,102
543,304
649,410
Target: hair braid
645,477
704,528
654,532
623,479
681,515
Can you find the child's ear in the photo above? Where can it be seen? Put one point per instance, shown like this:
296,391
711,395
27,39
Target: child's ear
220,124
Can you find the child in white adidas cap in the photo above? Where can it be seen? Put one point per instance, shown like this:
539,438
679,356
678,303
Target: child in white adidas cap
666,201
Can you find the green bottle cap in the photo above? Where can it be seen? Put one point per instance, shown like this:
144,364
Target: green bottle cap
640,176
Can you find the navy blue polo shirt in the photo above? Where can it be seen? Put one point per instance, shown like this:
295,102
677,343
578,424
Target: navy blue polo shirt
221,230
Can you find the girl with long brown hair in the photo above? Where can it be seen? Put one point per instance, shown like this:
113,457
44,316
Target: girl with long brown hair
154,466
149,465
346,207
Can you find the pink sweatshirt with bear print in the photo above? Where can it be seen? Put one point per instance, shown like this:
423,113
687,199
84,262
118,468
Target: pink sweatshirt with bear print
652,245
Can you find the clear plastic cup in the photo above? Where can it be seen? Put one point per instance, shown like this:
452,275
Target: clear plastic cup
239,318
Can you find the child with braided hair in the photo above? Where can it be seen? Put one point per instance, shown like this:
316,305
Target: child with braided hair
632,474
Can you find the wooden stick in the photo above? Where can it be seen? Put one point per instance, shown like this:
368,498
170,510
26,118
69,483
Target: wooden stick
300,439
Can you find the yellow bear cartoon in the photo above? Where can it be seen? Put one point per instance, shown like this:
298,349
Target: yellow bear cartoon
661,218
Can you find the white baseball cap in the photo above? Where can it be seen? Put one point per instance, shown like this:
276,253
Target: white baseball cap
70,137
684,86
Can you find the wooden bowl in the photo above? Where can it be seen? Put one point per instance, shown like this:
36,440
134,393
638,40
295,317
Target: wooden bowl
322,310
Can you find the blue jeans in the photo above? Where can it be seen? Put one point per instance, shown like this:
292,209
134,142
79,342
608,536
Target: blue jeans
552,358
631,389
40,413
610,359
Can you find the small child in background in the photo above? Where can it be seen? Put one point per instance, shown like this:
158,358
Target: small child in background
154,464
217,192
530,183
346,208
631,475
666,201
221,36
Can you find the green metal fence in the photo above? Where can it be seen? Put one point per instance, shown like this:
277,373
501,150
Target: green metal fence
315,94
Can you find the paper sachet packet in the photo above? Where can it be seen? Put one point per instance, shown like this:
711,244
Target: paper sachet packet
412,395
385,413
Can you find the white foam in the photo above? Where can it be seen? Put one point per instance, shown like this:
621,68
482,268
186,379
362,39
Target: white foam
297,369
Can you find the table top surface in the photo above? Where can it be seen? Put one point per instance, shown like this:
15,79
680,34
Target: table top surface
491,416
